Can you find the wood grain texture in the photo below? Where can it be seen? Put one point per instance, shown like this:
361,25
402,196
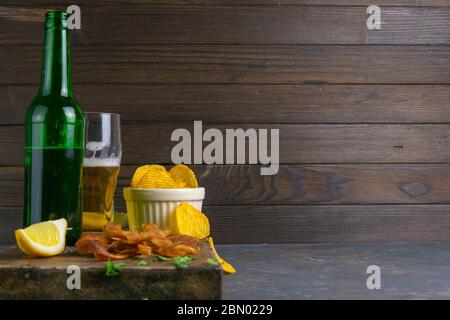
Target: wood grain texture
387,3
363,115
22,277
318,184
294,184
307,223
11,219
235,25
197,25
239,64
249,103
329,223
298,143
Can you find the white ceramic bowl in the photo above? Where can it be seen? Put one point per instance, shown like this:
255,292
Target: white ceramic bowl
158,205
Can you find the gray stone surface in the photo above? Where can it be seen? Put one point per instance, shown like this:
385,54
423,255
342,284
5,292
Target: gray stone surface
337,271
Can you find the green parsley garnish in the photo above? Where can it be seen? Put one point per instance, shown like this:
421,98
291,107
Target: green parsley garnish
141,263
213,262
183,262
162,258
179,262
113,269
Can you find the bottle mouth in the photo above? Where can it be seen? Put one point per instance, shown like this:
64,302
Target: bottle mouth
56,19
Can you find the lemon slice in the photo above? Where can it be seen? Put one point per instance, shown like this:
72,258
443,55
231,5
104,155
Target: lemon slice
43,239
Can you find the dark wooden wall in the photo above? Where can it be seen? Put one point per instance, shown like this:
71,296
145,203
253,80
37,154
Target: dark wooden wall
364,116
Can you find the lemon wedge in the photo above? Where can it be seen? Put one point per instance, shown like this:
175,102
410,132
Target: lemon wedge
43,239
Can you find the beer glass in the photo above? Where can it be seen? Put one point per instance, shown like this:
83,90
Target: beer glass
101,165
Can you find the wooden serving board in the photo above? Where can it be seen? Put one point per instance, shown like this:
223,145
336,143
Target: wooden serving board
22,277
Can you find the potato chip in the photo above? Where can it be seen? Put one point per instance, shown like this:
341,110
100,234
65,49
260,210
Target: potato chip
190,221
227,268
182,175
152,177
180,184
138,174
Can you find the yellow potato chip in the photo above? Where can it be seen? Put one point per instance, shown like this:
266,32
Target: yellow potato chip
190,221
138,174
180,184
152,177
181,174
227,268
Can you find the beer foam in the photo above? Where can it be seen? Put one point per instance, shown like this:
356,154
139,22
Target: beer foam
96,162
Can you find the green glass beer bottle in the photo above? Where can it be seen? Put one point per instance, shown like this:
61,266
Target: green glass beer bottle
54,129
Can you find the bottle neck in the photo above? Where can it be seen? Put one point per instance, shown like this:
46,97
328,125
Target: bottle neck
56,78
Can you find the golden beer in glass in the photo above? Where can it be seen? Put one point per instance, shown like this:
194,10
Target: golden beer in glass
101,166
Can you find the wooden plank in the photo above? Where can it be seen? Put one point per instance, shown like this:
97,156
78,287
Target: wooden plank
239,64
329,223
384,3
298,143
317,184
396,23
10,220
22,277
250,103
235,25
294,184
308,223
